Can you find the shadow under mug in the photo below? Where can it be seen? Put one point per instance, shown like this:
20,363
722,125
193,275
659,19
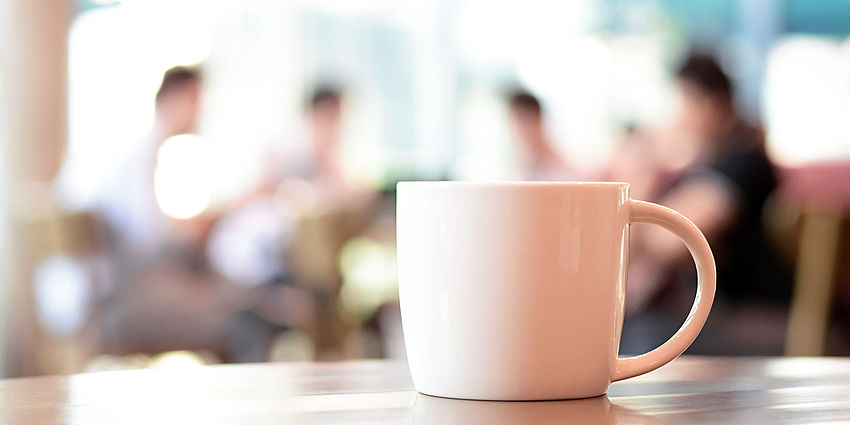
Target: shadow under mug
516,291
429,410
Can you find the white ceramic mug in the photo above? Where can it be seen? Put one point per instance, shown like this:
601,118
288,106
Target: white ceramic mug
515,291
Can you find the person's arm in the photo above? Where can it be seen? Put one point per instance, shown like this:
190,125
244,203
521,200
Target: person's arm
708,201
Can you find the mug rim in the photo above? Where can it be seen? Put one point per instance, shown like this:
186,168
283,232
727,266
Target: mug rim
467,183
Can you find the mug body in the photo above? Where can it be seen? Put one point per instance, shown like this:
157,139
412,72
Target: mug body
512,291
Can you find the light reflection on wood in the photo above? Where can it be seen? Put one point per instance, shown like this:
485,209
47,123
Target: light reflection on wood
689,390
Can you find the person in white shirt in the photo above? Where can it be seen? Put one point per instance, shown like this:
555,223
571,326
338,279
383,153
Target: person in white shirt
127,203
540,160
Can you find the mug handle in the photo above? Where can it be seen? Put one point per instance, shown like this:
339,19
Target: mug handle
646,212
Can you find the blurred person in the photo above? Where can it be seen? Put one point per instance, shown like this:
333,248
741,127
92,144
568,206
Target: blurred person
285,236
539,159
157,303
128,204
301,179
332,209
166,295
319,160
715,172
311,172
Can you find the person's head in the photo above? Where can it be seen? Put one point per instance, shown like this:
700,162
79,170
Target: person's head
178,99
526,117
325,110
326,104
705,94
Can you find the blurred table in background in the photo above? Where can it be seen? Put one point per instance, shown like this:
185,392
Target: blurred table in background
689,390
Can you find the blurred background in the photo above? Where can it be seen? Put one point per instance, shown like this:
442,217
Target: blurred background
191,182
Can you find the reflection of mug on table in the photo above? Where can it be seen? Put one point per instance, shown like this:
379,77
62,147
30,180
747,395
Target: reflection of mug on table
429,410
515,291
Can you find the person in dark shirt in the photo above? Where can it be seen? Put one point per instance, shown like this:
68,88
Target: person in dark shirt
719,176
746,265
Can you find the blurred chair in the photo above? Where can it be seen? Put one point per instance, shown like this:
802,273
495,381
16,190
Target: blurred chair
320,235
55,317
822,194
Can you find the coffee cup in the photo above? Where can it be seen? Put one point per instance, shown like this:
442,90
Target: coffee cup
516,291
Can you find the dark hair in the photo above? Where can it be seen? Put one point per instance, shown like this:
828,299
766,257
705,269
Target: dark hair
524,100
705,73
325,94
177,77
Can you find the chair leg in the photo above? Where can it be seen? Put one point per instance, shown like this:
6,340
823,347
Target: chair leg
813,283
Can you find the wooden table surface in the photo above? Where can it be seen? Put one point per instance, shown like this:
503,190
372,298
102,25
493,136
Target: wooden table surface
689,390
